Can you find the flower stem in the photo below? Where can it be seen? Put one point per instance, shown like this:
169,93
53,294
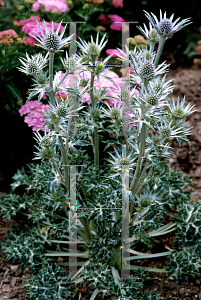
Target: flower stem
51,63
57,168
95,134
65,162
159,51
64,77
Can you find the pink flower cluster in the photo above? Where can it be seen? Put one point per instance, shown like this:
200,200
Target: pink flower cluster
103,83
34,111
113,52
49,5
2,3
6,37
118,3
198,48
118,23
31,19
32,27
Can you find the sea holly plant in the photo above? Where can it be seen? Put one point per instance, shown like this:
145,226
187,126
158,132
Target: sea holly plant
101,195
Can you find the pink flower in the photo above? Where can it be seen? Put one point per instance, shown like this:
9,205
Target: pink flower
113,52
198,49
60,5
118,3
30,41
104,19
31,19
118,23
34,111
6,37
2,3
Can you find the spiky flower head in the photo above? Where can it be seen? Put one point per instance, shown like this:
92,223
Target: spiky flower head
93,49
155,140
115,113
151,34
153,99
39,87
46,153
160,86
41,78
165,132
166,27
179,111
62,111
145,68
95,114
51,41
122,161
145,201
70,63
84,82
34,64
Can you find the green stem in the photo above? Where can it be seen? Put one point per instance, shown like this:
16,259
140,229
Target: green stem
65,162
92,90
95,134
96,147
159,51
152,45
64,77
57,168
134,183
51,63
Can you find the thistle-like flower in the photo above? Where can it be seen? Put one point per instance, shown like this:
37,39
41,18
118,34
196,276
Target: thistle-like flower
165,27
122,162
39,87
153,97
179,111
51,41
113,112
168,131
161,86
92,49
70,63
33,65
145,68
151,34
125,55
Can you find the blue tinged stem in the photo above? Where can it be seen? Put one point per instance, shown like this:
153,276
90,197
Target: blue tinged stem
159,51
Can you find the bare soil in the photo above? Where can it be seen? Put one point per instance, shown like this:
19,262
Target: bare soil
187,160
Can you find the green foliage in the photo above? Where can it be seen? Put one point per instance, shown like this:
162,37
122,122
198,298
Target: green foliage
51,282
184,264
25,246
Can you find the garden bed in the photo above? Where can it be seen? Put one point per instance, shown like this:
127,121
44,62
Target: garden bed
187,160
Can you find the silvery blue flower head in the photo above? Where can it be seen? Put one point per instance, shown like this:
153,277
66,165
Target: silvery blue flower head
34,64
166,27
145,68
151,34
51,41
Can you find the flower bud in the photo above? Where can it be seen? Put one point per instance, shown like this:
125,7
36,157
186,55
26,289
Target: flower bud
46,153
178,112
62,111
145,201
95,114
165,132
146,71
115,113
